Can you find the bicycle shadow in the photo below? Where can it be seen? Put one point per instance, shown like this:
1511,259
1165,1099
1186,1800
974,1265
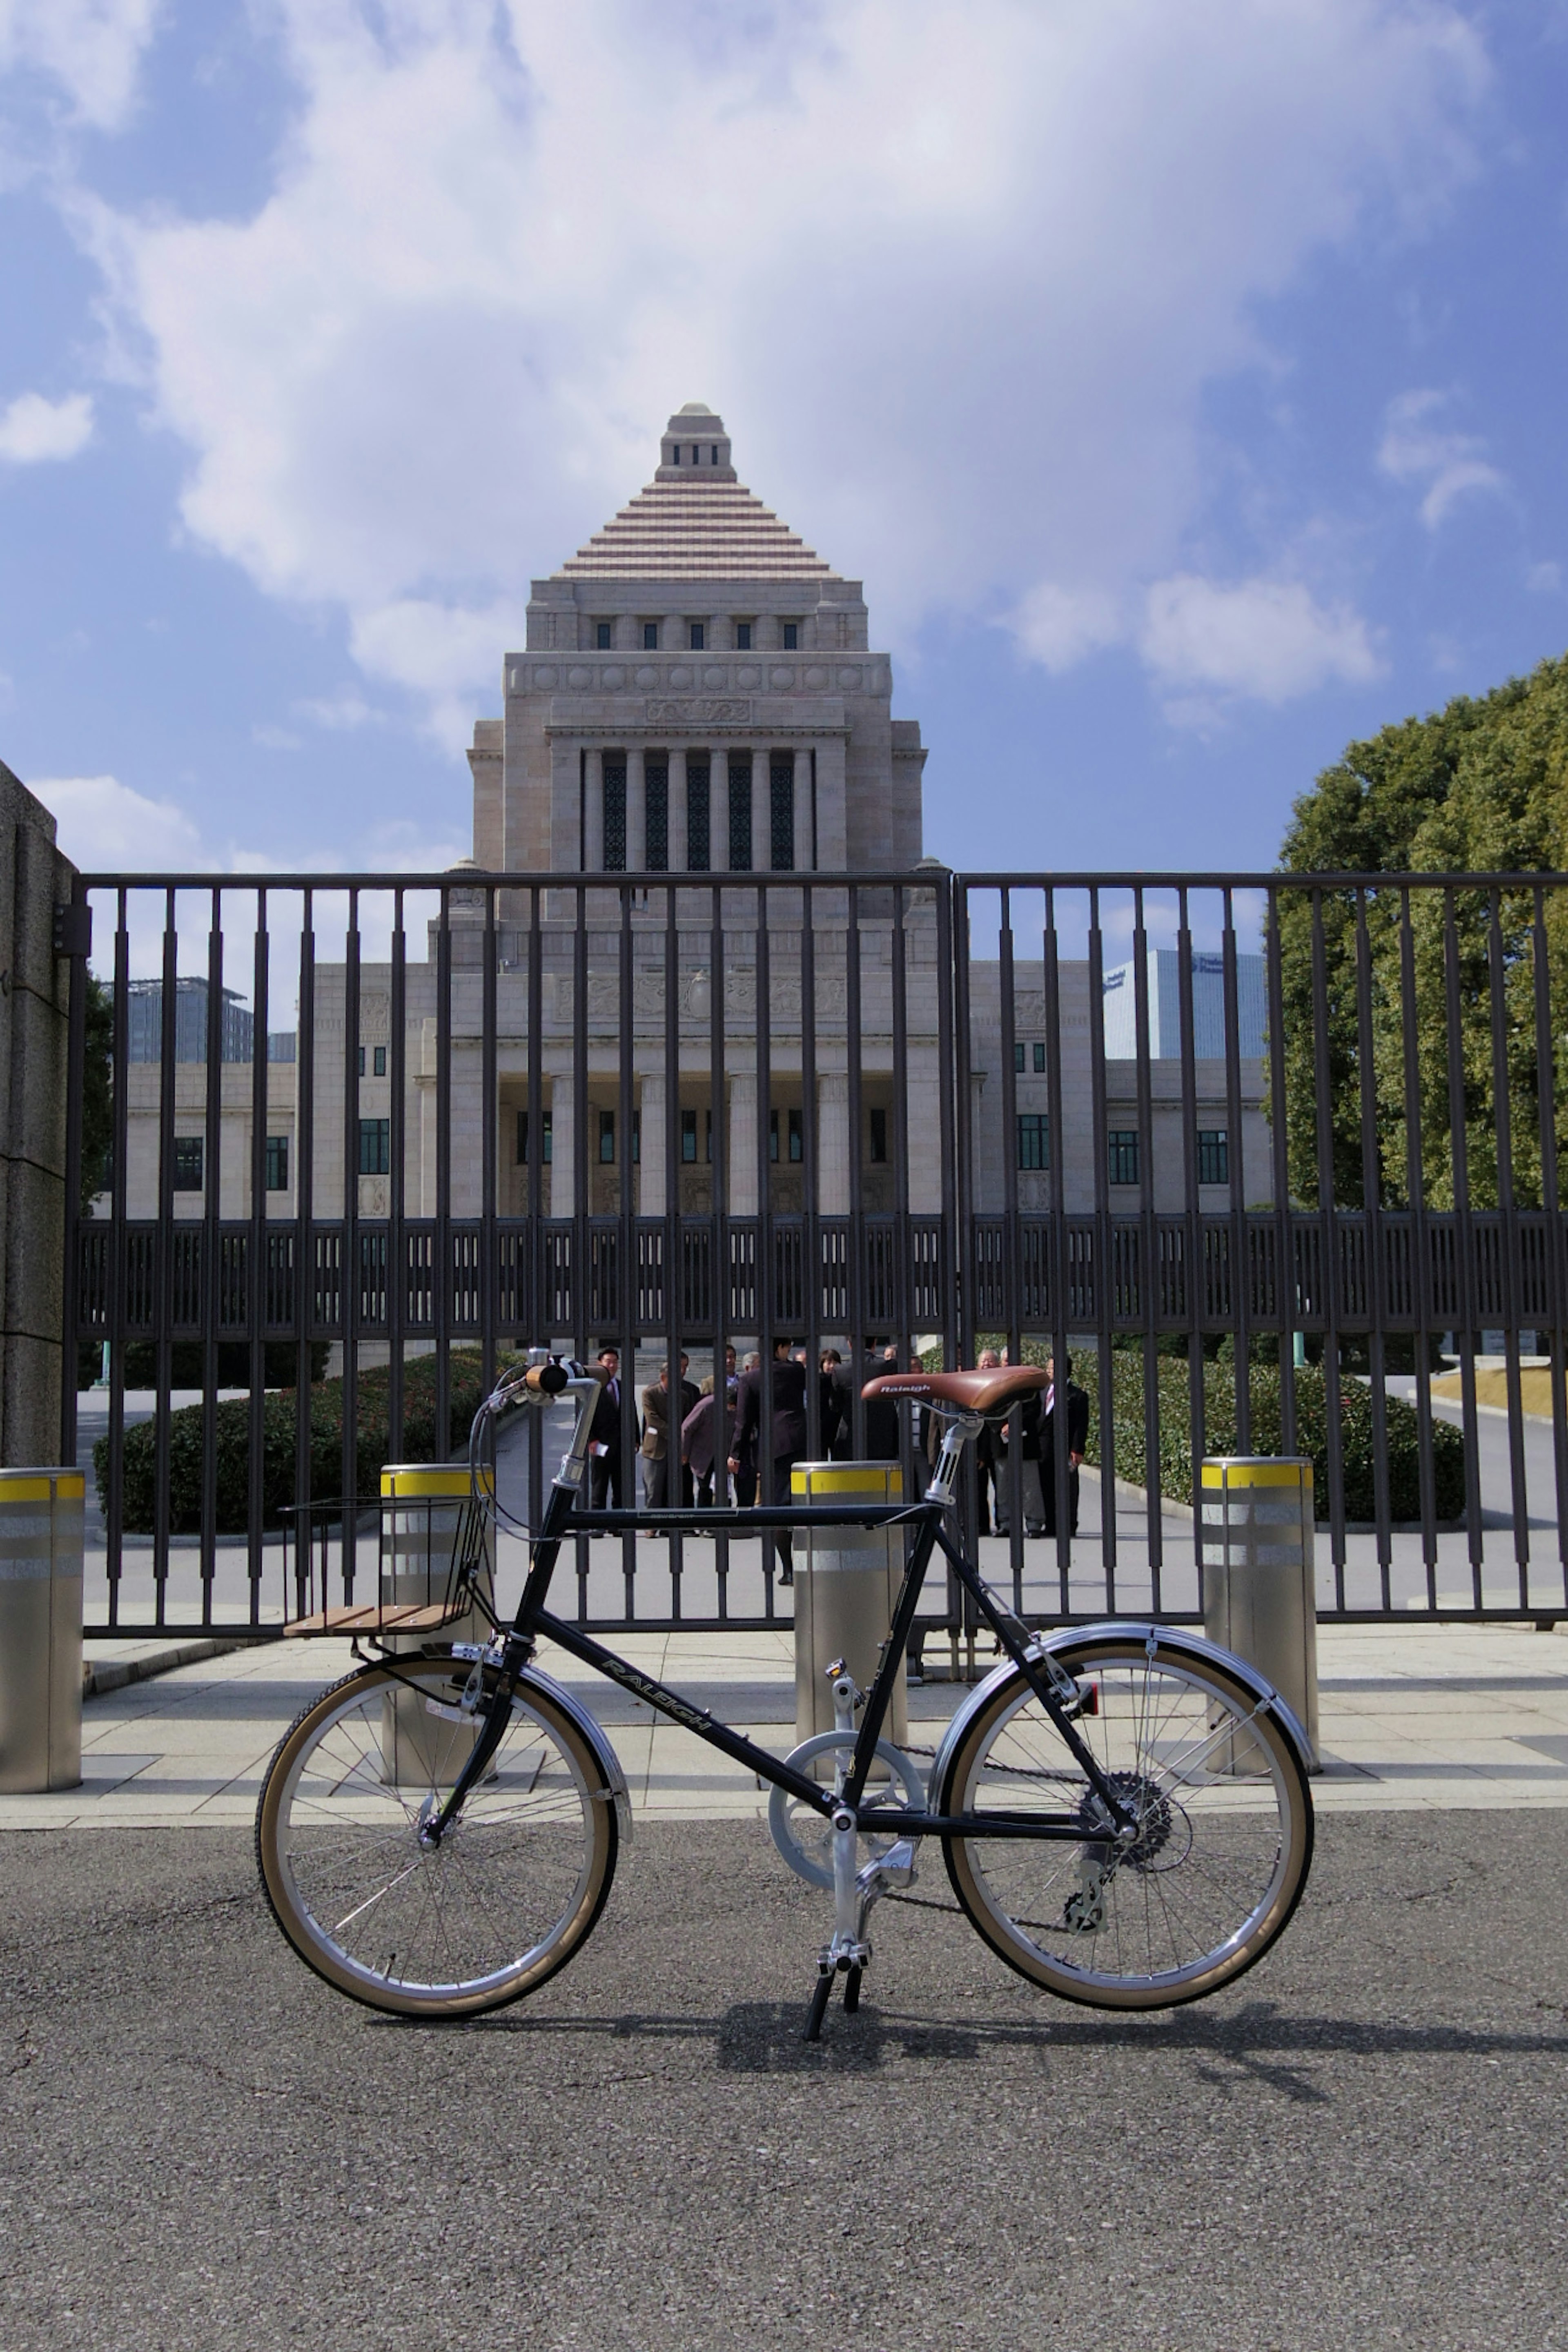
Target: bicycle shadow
1261,2043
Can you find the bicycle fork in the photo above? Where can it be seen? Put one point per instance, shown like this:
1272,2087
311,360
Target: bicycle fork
847,1949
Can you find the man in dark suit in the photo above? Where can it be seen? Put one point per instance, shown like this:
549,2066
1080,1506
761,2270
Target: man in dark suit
605,1434
787,1436
883,1432
1063,1391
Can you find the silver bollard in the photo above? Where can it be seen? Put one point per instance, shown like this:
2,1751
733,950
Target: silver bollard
422,1505
41,1516
1259,1596
845,1589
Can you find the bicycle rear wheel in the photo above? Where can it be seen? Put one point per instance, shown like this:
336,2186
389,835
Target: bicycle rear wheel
1224,1820
512,1890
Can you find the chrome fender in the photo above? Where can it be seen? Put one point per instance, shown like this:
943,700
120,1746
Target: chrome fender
1177,1639
593,1731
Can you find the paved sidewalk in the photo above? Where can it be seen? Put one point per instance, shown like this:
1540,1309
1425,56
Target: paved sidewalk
1419,1716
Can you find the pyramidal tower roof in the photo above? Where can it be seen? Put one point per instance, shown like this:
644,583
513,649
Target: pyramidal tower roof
695,521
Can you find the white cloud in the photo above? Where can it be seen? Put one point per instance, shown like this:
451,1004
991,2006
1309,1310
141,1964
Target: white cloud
1058,626
1544,579
91,48
957,277
103,826
1268,639
1416,449
33,428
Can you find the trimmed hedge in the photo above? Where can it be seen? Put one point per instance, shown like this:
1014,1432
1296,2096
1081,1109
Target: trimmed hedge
372,1446
1311,1431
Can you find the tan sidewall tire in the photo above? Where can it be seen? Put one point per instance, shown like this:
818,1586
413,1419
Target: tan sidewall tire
1080,1659
319,1955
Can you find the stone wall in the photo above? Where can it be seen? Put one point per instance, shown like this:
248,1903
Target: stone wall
35,994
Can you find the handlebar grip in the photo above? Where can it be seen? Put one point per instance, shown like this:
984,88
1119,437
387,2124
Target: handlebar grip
546,1380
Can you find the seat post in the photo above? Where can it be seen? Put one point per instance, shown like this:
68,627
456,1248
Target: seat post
960,1429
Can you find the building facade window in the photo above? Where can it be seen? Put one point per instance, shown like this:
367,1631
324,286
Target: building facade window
1018,1057
1034,1140
877,1122
699,812
650,636
696,636
1039,1057
374,1147
740,811
361,1061
189,1151
656,809
378,1062
614,812
781,812
606,1139
792,637
602,633
1214,1155
793,1137
1123,1153
523,1137
688,1137
742,637
278,1163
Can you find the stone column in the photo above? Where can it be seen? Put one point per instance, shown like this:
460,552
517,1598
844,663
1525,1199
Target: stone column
833,1144
802,812
651,1185
719,808
594,825
742,1168
637,812
561,1190
678,812
832,816
34,1039
924,1099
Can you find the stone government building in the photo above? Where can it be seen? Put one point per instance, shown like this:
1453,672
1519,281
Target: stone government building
697,696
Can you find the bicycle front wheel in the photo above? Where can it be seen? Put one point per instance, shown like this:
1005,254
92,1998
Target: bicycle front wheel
1224,1828
515,1885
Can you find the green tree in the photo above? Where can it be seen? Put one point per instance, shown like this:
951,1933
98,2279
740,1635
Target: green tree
1480,786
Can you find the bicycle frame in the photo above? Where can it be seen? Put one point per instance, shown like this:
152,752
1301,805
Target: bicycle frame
533,1618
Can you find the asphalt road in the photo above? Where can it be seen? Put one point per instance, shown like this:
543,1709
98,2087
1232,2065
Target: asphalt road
1360,2145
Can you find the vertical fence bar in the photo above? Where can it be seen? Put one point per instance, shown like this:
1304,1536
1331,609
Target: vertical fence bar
540,1327
349,1246
163,1256
1546,1127
71,1289
396,1183
1235,1170
114,1501
1060,1467
719,1224
490,1146
305,1310
670,1241
1416,1187
953,1054
858,1241
1197,1443
623,1315
1328,1226
767,1300
210,1289
256,1287
1371,1214
1502,1113
1104,1269
1148,1272
903,1316
1458,1144
442,1270
1007,1007
811,1171
1285,1299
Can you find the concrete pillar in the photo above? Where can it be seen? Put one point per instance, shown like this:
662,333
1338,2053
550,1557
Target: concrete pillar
924,1099
678,812
651,1186
637,812
593,823
833,1144
832,816
742,1169
562,1193
34,1036
802,812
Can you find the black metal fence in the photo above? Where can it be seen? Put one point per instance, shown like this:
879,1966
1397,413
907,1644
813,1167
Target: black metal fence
1273,1159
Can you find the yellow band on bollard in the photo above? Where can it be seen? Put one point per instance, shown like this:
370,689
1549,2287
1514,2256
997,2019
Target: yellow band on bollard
426,1482
886,1485
1257,1474
42,1486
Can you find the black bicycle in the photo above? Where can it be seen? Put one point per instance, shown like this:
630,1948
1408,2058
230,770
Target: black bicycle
1122,1808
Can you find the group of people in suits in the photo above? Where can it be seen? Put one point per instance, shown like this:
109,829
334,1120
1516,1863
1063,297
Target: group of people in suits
680,1438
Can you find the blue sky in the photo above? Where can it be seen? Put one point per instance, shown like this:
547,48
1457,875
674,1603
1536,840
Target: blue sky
1185,385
